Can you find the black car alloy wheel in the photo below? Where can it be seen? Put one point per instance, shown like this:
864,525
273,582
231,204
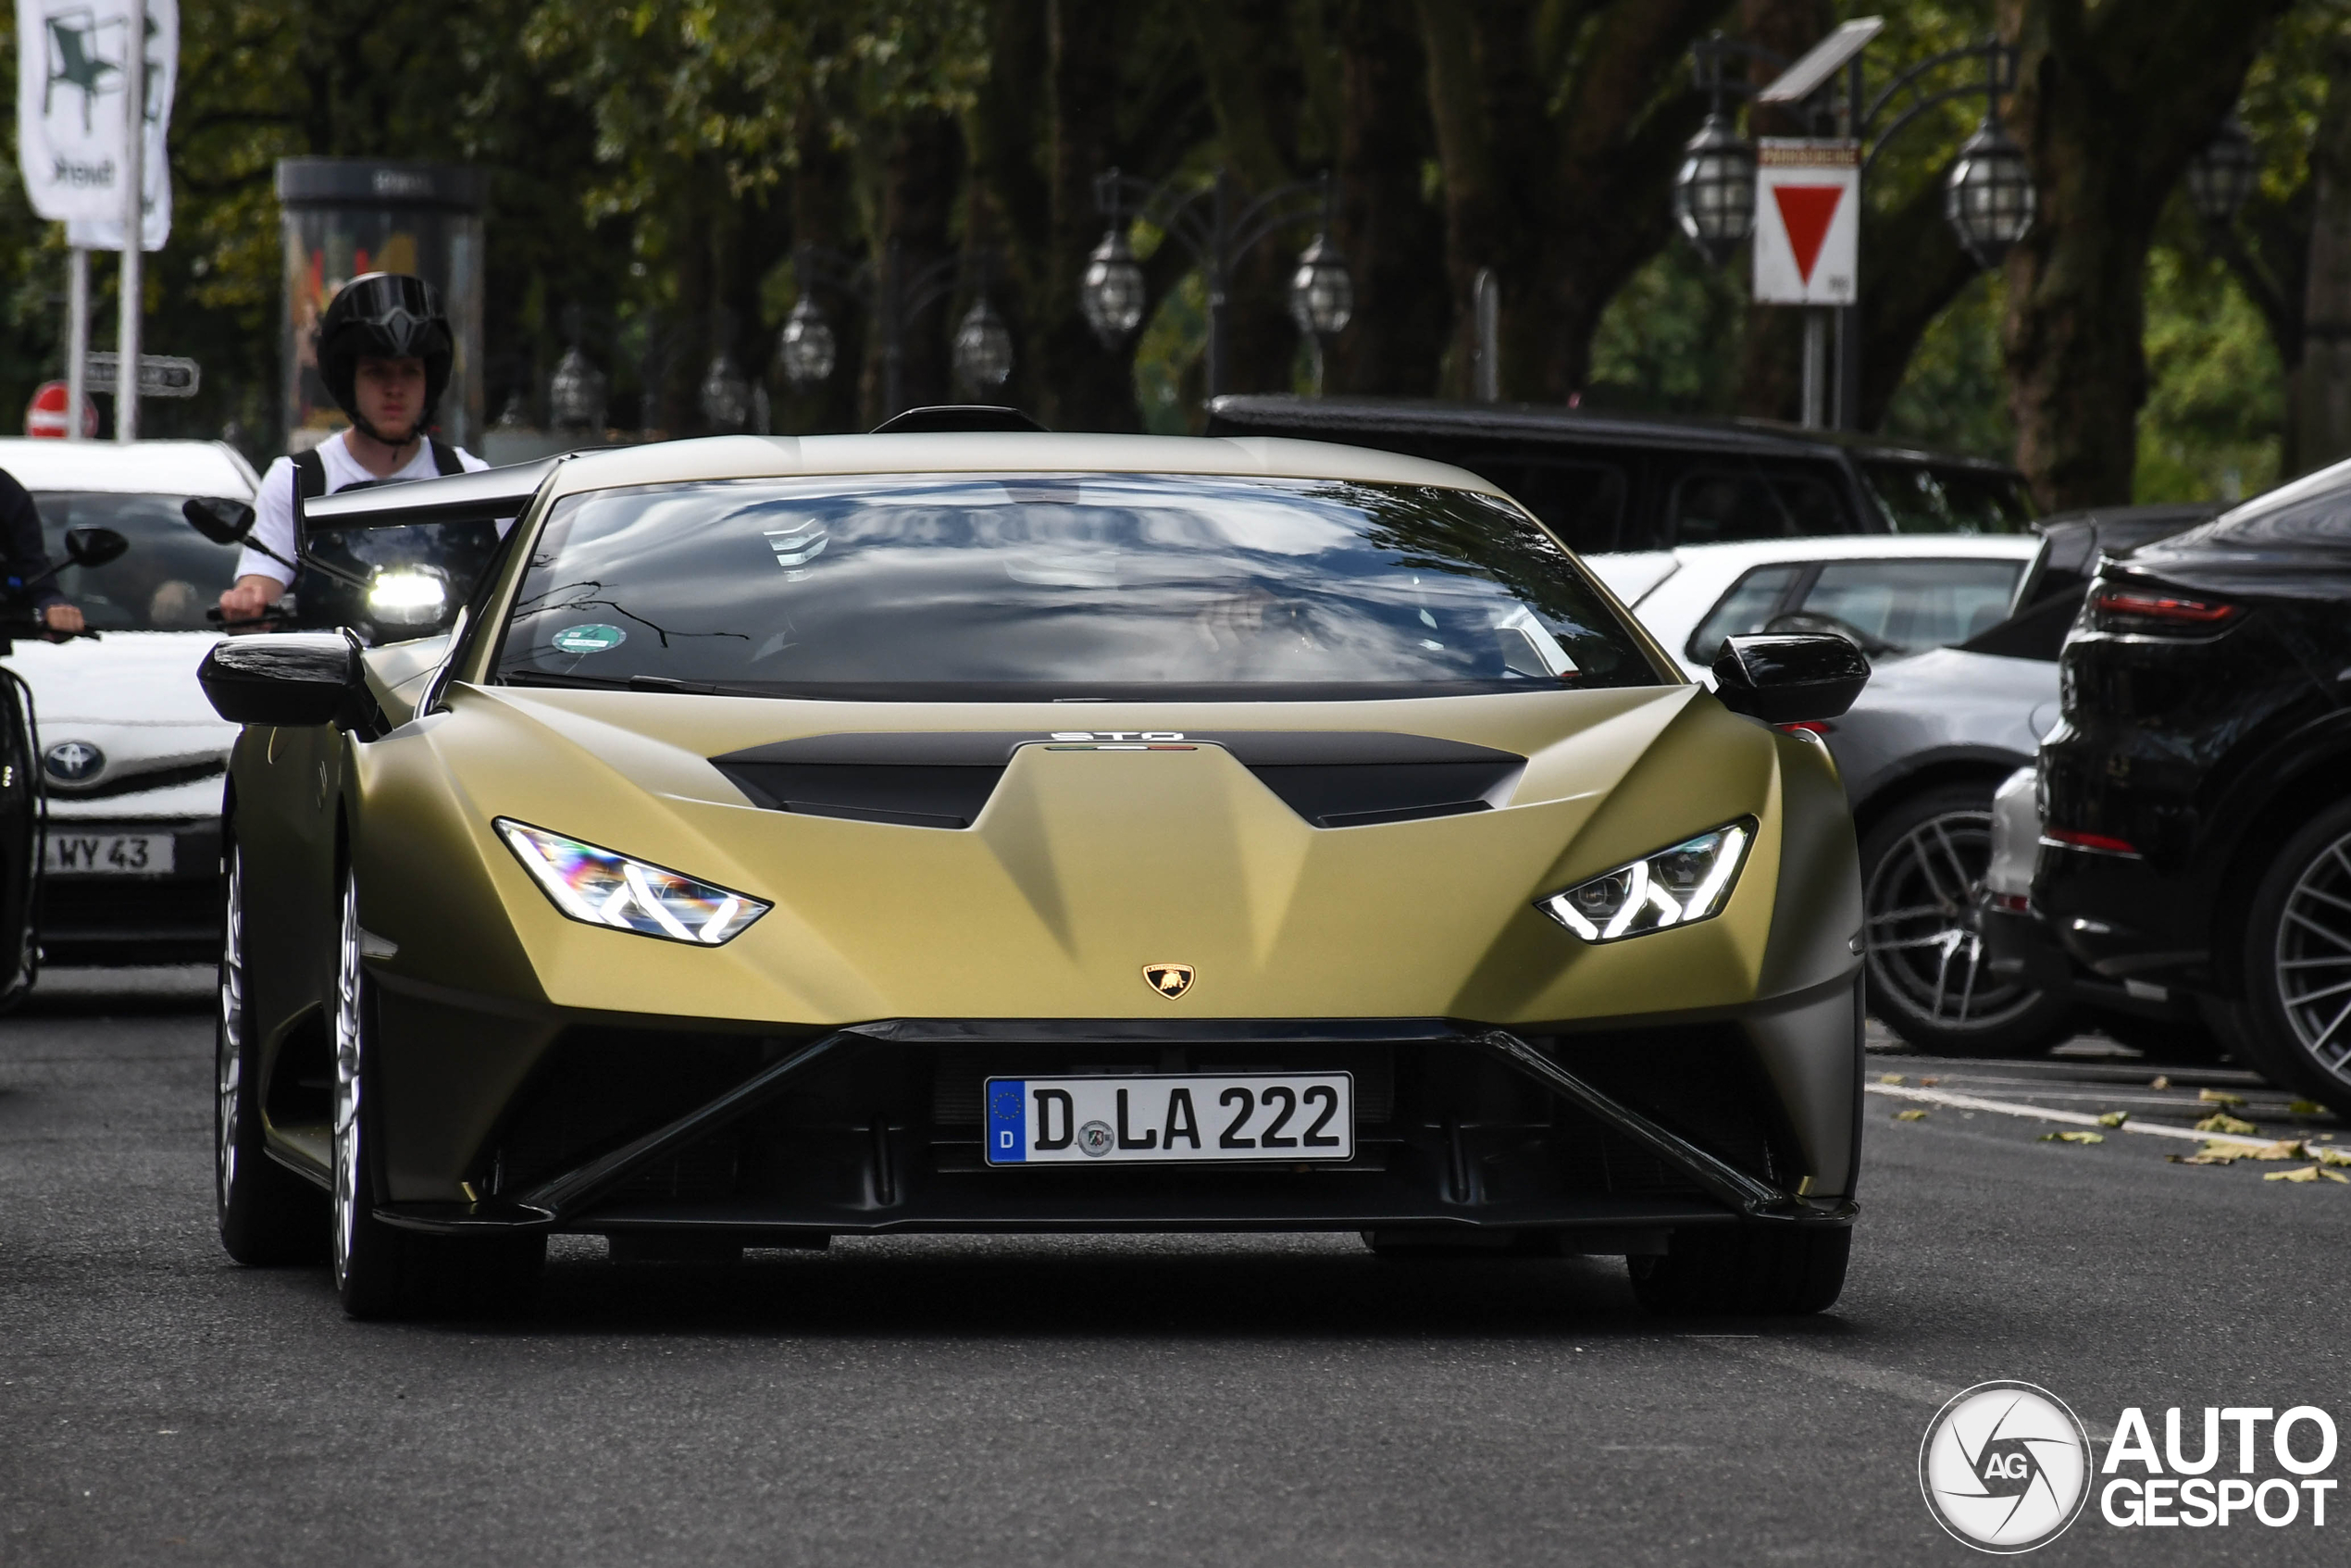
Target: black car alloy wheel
2297,963
267,1215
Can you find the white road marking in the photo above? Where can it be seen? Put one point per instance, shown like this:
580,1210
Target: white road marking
2042,1113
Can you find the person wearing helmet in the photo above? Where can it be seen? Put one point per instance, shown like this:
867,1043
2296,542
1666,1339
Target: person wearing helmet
385,352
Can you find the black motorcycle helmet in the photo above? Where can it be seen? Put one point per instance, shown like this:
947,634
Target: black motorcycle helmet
389,316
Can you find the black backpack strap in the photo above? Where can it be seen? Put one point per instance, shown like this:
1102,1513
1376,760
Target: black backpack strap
310,477
444,457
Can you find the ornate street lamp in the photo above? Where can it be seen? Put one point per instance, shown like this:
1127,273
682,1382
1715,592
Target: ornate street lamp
1111,294
807,347
1714,188
726,396
1218,229
576,392
2224,174
983,350
1322,297
1989,197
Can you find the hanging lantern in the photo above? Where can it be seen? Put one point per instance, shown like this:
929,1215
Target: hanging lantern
1989,197
726,396
1714,188
576,393
983,352
1322,297
1111,295
807,347
2224,174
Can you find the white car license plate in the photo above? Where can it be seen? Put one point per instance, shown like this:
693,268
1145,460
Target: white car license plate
108,854
1179,1118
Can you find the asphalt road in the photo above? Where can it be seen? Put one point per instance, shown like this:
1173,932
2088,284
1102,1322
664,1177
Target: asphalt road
1209,1401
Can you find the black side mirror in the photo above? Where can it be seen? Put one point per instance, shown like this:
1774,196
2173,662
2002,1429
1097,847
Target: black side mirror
1789,679
223,522
292,681
94,547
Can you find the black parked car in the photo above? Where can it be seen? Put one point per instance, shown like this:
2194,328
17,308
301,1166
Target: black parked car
2196,797
1609,481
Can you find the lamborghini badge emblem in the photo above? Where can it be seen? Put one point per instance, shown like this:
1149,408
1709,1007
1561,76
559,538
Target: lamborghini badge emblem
1171,981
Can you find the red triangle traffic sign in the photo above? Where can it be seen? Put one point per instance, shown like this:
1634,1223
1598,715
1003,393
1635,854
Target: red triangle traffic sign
1805,212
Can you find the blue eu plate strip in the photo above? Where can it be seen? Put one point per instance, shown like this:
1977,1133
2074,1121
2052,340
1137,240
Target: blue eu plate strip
1007,1121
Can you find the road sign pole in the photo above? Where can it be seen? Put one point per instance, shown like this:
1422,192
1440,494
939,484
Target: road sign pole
1816,358
134,220
77,338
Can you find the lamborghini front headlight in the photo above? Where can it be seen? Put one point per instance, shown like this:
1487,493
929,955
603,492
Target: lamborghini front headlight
604,888
1689,881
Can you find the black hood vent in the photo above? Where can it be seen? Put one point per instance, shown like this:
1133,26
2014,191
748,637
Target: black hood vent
1343,778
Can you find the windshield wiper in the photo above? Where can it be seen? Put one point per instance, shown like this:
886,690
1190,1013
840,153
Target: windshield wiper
558,678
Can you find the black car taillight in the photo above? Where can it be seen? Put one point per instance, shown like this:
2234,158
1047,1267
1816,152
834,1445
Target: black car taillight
2152,613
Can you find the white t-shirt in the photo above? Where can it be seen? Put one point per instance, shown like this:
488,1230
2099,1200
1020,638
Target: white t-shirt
273,508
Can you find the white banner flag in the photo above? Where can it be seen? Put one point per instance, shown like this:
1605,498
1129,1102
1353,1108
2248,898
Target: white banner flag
70,115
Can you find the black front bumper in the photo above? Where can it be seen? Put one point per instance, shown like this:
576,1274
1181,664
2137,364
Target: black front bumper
1610,1139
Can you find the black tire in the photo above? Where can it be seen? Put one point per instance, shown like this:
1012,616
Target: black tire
267,1215
1922,864
381,1270
1784,1269
2295,1024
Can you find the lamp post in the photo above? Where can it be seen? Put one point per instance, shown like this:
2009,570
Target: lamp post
982,350
1218,229
2221,176
577,392
1989,198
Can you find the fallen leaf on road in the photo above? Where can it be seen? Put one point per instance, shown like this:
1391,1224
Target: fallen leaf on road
2309,1173
1889,1078
1929,1083
2305,1108
2330,1156
2219,1097
2210,1156
2158,1081
2285,1149
1909,1116
2073,1137
2114,1118
2221,1121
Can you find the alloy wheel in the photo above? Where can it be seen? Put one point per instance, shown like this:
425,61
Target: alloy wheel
1925,941
2312,964
229,1051
347,1083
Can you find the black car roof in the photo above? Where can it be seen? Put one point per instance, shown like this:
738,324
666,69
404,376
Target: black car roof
1242,414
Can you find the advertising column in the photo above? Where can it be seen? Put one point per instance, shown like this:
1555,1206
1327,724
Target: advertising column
345,216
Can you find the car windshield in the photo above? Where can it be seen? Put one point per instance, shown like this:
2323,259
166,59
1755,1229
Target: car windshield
166,581
1920,499
1070,586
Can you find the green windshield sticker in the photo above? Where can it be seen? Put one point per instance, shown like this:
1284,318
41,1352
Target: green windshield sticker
593,637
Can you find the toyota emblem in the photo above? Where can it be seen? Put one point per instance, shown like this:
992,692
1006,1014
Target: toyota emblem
73,762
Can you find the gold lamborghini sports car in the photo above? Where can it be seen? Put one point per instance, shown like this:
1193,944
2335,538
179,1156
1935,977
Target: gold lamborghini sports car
748,841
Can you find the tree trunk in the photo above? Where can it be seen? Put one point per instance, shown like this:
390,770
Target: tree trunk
2111,101
921,171
1391,236
2321,414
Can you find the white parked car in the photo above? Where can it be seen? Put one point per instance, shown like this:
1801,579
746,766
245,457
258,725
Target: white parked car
132,754
1893,594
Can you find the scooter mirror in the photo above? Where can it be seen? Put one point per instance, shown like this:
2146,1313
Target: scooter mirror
93,547
223,522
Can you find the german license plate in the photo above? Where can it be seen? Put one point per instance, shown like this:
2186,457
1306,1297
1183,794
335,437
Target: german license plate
1179,1119
108,854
